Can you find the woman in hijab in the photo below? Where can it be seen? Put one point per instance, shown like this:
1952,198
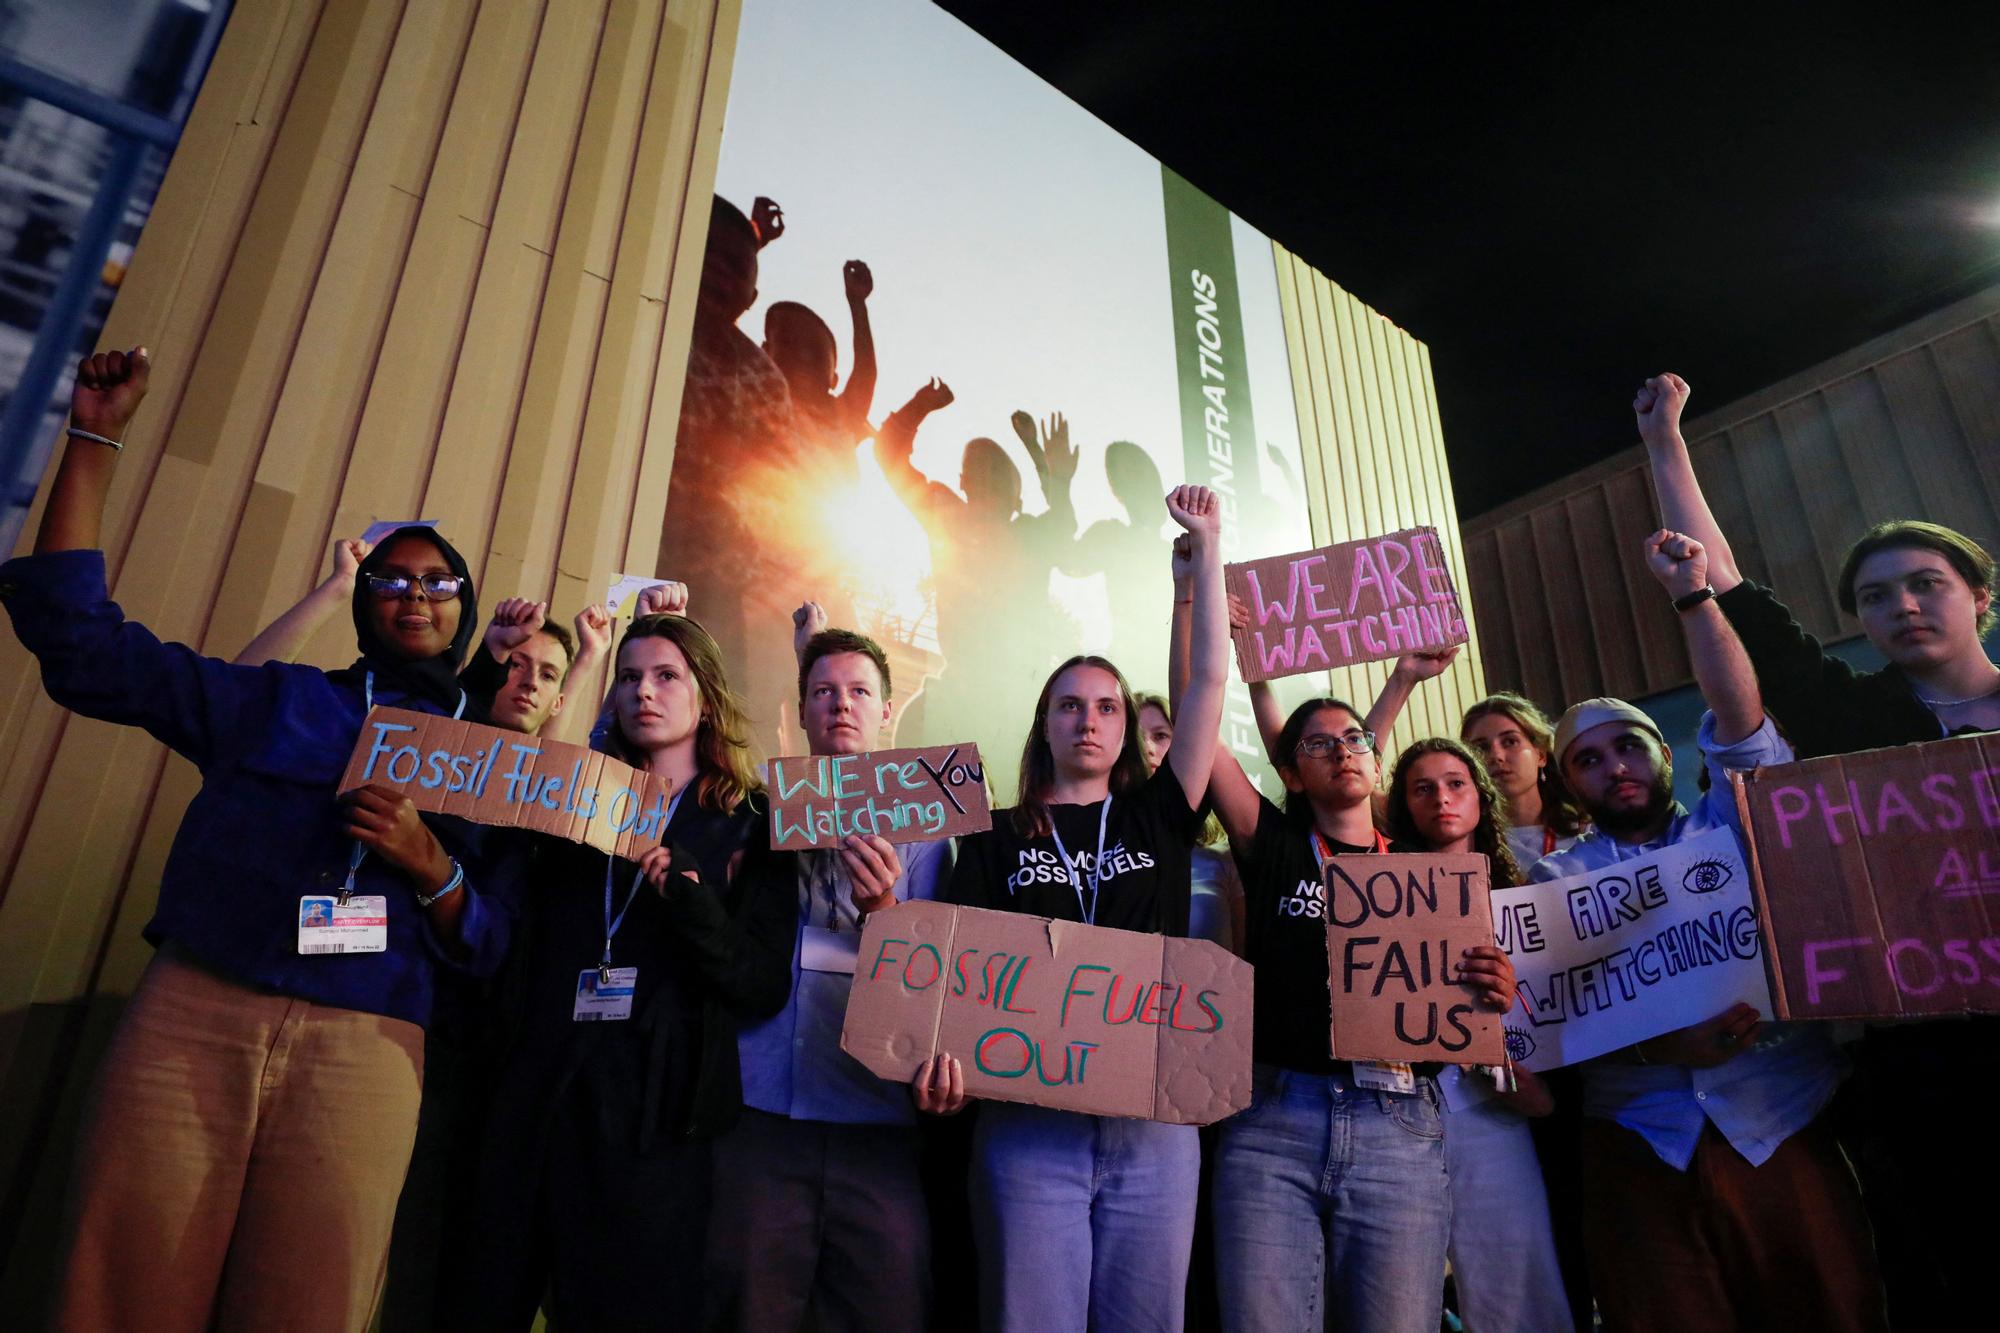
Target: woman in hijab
252,1119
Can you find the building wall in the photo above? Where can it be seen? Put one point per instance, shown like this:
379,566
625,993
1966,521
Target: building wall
1906,426
1374,463
431,259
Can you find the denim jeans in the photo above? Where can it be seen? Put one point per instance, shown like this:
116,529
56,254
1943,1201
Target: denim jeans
1503,1250
1082,1221
1327,1193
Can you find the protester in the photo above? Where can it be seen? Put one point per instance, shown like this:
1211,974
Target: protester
1502,1247
1715,1195
1331,1200
1088,1219
259,1097
802,347
1924,596
595,1165
1215,907
1513,737
820,1219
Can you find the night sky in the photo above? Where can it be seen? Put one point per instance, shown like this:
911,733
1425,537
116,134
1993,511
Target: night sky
1562,203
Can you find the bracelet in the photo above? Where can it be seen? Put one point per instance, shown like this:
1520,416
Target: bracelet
457,878
1689,602
78,432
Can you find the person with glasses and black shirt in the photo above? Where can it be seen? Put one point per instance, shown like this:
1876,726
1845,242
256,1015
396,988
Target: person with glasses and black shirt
1330,1188
257,1104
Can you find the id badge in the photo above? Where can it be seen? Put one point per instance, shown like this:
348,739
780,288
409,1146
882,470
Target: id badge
1383,1076
823,950
326,925
604,996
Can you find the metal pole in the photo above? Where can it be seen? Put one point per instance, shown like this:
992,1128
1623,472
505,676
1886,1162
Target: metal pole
29,401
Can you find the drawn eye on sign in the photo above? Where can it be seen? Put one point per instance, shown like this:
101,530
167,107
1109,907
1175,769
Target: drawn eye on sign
1705,876
1520,1043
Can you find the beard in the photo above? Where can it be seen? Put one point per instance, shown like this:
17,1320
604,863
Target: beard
1637,819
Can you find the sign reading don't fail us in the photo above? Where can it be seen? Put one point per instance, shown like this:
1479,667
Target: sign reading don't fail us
1396,929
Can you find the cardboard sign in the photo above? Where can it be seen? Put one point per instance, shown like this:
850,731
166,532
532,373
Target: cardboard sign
1363,601
490,776
1628,952
902,795
1395,927
1054,1013
1878,878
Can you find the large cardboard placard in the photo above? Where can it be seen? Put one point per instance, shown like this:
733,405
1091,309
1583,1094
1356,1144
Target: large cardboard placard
938,791
1878,878
1396,926
491,776
1362,601
1084,1018
1617,955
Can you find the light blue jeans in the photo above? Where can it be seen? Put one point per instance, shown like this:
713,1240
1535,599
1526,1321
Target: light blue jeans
1326,1193
1503,1252
1083,1222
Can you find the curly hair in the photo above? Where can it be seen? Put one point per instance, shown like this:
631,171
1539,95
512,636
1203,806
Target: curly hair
728,772
1488,836
1560,810
1038,761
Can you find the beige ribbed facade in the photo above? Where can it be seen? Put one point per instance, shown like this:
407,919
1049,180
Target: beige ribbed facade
437,259
1374,462
428,259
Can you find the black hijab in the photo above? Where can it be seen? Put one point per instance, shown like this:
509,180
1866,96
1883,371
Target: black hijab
433,678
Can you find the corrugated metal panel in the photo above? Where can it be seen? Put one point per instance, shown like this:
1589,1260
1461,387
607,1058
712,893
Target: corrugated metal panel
431,259
1906,426
1374,463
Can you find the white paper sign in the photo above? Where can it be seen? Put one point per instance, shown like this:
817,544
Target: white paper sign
1631,951
623,598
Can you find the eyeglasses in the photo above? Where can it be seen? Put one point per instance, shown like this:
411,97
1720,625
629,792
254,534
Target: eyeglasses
1354,742
436,587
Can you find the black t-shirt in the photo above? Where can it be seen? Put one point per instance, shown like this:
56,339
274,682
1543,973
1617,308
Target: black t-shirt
1284,905
1149,839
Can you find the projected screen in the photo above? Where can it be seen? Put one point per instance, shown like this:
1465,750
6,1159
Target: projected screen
1032,284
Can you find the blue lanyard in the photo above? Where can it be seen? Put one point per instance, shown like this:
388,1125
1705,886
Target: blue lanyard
611,923
358,853
1096,867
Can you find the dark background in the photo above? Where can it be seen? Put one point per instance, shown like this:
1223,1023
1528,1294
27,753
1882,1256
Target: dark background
1560,203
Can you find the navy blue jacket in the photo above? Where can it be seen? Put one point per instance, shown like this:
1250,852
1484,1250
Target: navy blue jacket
271,742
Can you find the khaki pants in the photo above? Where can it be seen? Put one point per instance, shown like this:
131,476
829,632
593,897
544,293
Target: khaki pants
239,1162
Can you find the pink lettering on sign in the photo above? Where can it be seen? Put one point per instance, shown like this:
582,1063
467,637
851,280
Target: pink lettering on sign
1359,601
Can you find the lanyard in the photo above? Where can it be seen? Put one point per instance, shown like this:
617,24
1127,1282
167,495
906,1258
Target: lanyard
1548,839
1096,867
611,923
355,856
1322,852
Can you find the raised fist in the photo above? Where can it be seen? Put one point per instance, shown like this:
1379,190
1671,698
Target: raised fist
1196,509
1678,561
593,630
348,553
807,621
663,599
1658,407
767,219
108,388
931,397
514,622
860,283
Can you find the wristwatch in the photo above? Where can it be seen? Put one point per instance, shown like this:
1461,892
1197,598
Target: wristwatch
1691,600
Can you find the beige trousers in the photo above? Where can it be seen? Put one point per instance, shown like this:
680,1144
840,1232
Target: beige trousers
239,1163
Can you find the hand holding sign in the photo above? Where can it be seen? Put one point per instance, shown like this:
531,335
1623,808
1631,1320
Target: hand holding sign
873,867
1490,972
1707,1044
386,822
939,1086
